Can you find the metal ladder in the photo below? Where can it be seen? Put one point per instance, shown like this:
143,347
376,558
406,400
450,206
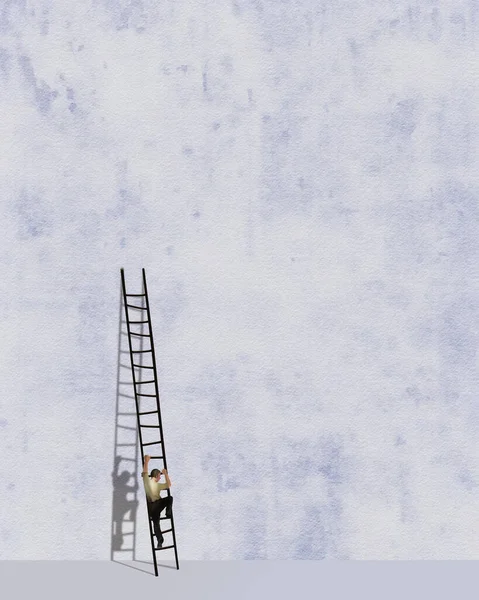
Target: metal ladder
145,388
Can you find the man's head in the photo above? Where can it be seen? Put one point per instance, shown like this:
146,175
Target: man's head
155,474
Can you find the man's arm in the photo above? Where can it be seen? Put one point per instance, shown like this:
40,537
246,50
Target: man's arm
145,464
168,480
144,476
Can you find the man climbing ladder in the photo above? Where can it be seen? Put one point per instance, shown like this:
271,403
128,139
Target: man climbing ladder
155,502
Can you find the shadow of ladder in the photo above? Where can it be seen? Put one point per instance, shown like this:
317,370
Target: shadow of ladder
141,382
125,429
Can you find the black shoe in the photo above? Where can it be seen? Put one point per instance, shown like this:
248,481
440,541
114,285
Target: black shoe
168,515
159,545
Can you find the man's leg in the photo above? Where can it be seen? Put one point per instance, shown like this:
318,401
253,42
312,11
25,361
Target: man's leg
169,506
166,503
154,509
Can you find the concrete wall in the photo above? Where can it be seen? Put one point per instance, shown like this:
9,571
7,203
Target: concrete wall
300,181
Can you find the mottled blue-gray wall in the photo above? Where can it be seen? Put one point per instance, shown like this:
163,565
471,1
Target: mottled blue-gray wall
300,180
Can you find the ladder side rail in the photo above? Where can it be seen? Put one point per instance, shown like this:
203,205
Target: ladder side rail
157,392
137,410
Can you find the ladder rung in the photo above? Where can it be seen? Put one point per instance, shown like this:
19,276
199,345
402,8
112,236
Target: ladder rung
140,334
143,367
130,533
156,457
136,322
148,412
140,382
149,395
147,444
136,295
167,530
137,307
164,548
139,351
125,427
146,426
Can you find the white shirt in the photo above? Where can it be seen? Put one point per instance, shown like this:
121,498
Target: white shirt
152,487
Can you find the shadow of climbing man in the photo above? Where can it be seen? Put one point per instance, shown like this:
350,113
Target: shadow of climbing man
121,504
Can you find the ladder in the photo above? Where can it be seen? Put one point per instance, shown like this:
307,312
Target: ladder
146,390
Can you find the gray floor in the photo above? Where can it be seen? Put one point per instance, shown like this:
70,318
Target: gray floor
237,580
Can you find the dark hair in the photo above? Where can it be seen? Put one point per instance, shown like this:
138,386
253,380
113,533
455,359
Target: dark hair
154,472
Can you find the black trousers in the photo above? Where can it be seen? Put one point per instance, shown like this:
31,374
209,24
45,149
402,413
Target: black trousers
154,510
